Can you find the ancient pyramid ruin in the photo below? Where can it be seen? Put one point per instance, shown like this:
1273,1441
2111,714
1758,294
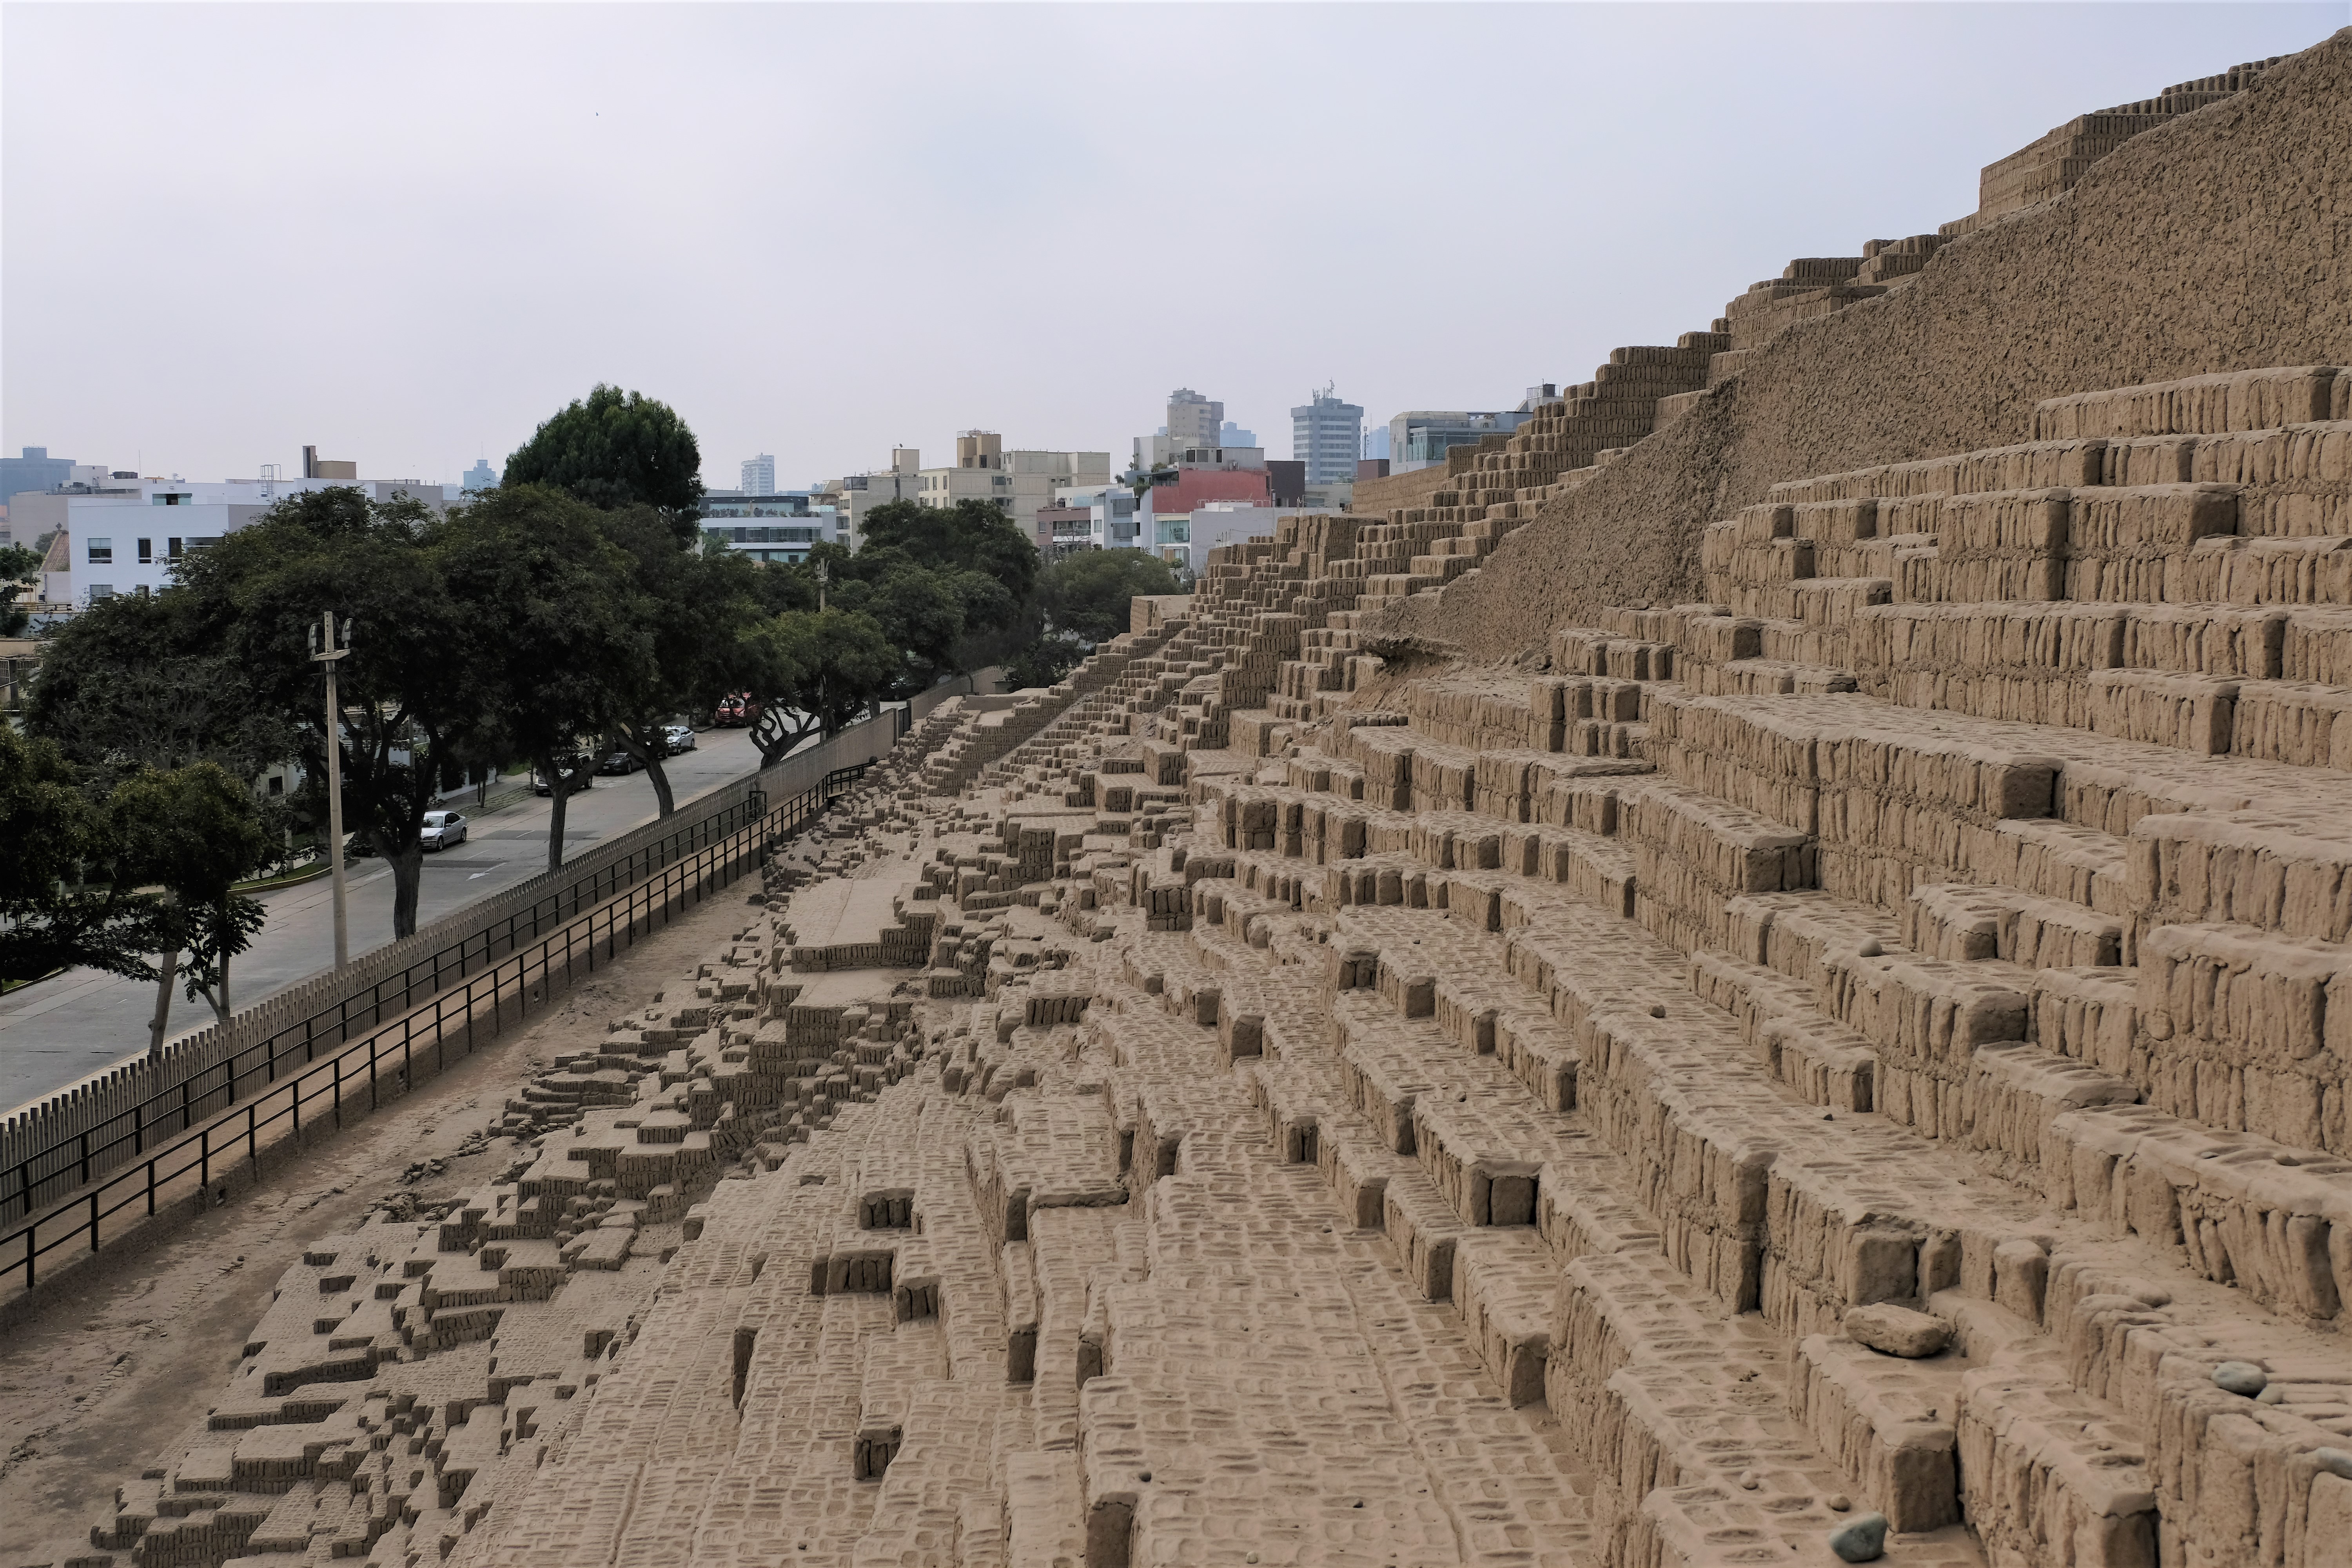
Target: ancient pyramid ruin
1846,1057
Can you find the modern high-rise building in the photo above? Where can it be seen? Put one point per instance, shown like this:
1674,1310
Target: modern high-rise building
479,478
1233,435
1327,436
759,475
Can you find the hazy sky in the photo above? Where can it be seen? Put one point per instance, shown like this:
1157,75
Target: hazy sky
406,234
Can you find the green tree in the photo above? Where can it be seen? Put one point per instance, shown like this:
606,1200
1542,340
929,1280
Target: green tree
971,555
817,669
139,682
412,696
1044,662
48,921
919,610
970,536
615,448
554,624
192,832
1088,594
19,569
701,609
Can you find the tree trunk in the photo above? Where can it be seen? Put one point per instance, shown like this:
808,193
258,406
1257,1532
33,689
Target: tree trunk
559,792
776,742
171,967
651,760
220,1003
407,871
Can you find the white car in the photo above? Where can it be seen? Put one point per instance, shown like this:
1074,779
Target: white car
441,829
677,738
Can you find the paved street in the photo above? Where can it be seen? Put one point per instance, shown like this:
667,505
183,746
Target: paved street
61,1030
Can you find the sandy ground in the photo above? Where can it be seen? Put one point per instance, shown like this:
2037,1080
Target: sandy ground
132,1349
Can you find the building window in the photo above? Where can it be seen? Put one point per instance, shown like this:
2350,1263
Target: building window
277,783
172,548
146,553
103,550
100,591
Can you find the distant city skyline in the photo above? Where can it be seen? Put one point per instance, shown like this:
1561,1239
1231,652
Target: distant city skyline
516,209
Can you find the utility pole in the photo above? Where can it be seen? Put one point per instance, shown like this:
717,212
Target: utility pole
329,645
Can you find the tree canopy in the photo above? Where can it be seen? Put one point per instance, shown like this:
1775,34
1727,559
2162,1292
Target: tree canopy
702,610
970,536
1086,594
46,922
955,586
19,569
137,681
193,833
615,448
555,629
817,669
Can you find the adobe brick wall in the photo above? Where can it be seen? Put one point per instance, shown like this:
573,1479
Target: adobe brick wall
1375,497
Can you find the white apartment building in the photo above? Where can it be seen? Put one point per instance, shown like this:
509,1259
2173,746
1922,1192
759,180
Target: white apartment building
1185,540
1110,515
760,475
124,539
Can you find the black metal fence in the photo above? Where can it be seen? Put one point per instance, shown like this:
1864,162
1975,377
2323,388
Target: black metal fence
53,1146
173,1144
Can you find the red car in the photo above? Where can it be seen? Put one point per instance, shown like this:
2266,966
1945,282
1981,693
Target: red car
735,710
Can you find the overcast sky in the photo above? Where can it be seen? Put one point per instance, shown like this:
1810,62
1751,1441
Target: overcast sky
406,234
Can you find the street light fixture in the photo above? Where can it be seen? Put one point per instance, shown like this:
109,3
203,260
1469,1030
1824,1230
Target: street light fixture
331,643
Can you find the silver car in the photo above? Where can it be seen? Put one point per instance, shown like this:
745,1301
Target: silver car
441,829
676,738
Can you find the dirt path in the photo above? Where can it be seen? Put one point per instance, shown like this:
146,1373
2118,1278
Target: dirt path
133,1348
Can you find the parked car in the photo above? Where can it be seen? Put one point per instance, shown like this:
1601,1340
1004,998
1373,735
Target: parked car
442,829
619,760
676,738
576,768
735,710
